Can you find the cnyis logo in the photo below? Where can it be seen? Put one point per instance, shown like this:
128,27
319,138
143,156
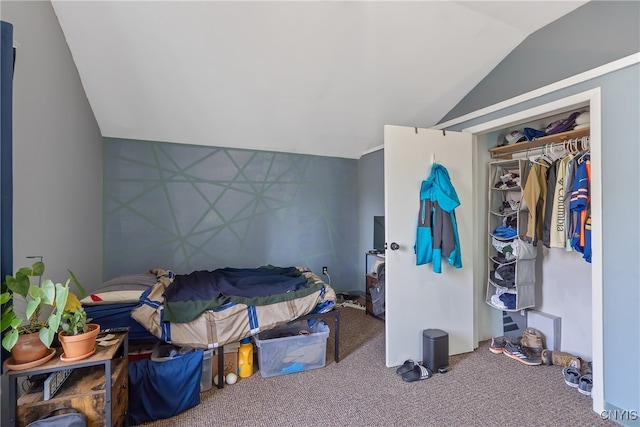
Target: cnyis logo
619,415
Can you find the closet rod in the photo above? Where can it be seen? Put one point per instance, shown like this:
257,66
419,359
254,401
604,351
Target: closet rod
574,145
571,145
506,150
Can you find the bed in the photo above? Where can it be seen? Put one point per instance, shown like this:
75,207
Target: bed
208,309
111,304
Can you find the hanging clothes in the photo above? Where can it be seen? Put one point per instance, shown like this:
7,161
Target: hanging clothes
580,203
534,195
572,216
558,237
551,177
437,231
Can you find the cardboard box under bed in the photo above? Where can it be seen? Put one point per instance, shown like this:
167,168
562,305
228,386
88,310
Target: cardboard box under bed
295,347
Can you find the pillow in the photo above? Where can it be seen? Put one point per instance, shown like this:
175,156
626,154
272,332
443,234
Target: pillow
122,289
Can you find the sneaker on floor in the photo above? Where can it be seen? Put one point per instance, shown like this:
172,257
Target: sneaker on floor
497,344
521,354
585,384
571,376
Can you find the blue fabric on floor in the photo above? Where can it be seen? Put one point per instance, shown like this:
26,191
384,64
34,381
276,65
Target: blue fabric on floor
164,389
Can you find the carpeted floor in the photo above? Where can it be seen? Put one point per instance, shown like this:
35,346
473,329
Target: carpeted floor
481,389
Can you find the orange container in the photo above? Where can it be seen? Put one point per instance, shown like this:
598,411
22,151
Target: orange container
245,358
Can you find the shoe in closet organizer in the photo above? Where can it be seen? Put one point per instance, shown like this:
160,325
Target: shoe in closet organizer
511,261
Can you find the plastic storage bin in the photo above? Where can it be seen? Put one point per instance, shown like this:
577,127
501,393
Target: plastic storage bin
292,348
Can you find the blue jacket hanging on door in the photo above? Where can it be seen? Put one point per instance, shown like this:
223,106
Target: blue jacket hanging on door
437,234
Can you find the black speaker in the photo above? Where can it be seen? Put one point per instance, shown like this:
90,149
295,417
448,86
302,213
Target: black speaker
435,349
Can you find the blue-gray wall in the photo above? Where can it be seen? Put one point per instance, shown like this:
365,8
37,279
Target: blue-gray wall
186,207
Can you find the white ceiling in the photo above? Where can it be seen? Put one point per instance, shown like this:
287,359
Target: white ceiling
304,77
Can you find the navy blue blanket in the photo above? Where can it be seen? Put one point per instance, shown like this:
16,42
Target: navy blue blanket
116,316
191,294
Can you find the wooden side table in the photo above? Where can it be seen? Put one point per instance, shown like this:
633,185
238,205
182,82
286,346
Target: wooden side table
104,402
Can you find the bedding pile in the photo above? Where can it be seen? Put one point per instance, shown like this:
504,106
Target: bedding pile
208,309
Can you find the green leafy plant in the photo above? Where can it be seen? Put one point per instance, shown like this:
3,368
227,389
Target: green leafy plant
74,322
38,299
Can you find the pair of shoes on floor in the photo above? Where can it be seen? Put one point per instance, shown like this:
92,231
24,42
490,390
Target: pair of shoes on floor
575,378
411,371
515,350
521,353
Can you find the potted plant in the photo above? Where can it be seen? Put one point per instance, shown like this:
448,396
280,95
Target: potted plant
77,335
30,337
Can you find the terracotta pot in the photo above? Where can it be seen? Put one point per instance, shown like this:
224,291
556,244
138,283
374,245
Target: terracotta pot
77,346
28,348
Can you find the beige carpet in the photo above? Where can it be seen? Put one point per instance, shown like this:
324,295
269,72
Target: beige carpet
481,389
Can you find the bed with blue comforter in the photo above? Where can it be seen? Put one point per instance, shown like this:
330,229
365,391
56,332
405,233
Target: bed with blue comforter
208,309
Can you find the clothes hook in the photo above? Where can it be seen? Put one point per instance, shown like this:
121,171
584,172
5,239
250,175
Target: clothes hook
433,159
416,129
443,133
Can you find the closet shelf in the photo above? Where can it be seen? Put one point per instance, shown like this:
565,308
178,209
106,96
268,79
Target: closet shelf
502,263
502,308
515,188
528,145
504,215
512,288
504,239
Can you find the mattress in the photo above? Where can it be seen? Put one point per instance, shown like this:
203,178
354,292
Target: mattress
227,318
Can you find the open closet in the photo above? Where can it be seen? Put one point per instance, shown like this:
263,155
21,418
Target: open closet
539,226
458,300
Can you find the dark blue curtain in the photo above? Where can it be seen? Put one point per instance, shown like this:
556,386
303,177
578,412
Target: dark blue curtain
7,60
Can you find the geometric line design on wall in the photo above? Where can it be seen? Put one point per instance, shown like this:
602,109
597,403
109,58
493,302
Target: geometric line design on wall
186,207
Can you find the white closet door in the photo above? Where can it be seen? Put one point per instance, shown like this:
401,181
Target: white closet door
416,297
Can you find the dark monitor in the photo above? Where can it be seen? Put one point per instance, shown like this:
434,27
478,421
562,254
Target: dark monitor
378,233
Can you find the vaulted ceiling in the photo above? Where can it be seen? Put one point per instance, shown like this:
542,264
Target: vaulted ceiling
296,76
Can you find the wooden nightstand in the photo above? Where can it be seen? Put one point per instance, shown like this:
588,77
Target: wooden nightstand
105,403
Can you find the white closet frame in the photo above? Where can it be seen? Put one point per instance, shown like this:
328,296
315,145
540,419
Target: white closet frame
592,100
